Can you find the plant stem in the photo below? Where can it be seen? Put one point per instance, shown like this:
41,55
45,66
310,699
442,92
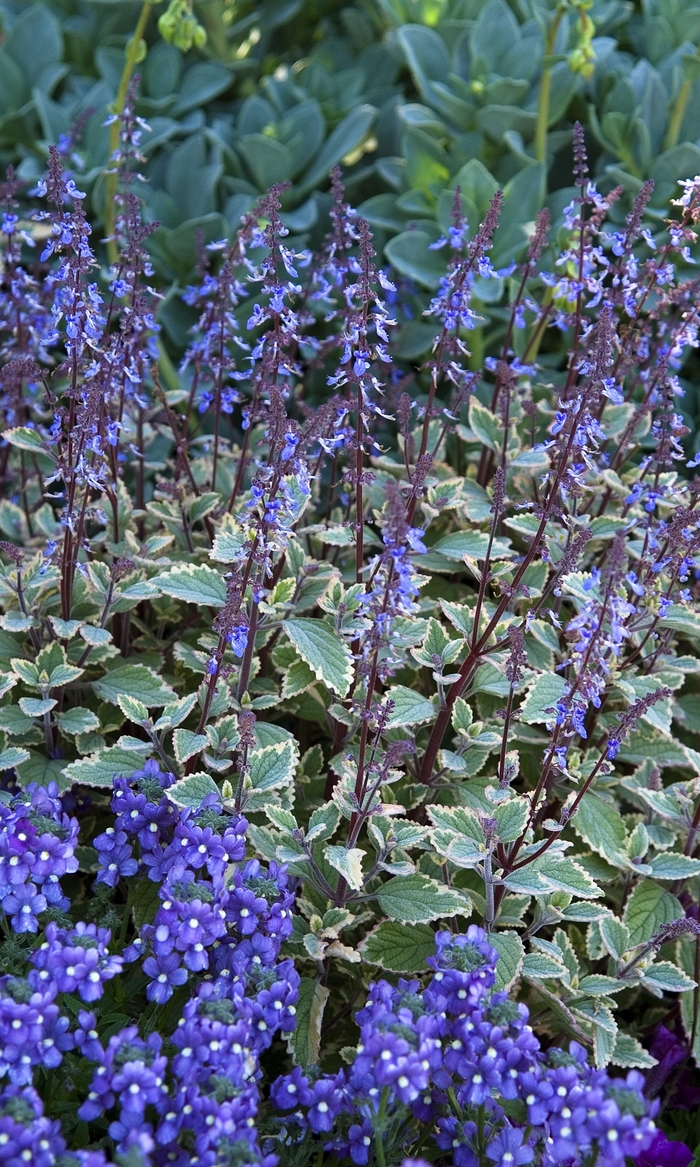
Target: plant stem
111,179
675,122
545,91
379,1129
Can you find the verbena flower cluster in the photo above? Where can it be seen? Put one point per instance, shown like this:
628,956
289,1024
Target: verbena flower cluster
332,611
453,1054
191,1094
457,1056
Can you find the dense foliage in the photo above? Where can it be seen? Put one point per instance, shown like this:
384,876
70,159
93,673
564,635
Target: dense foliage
349,595
413,96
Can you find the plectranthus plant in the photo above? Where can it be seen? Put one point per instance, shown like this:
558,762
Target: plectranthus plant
351,782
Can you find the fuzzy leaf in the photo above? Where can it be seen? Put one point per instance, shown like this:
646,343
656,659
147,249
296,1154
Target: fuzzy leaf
23,438
134,681
410,708
186,744
348,862
305,1040
78,720
511,954
667,977
670,865
12,757
192,791
567,875
36,706
323,651
132,708
273,766
540,966
102,767
597,985
511,817
145,903
400,948
193,583
417,899
647,909
601,825
542,697
630,1053
615,936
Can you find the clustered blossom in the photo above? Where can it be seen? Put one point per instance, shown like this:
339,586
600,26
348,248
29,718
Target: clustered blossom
37,848
219,915
459,1044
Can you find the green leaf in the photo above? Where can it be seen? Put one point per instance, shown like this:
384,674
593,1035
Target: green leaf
630,1053
670,865
601,825
134,681
600,986
542,697
323,823
186,744
647,909
298,678
77,720
132,708
511,817
400,948
192,791
688,954
410,708
273,767
22,438
417,899
305,1040
95,637
227,546
145,903
323,651
12,757
539,966
346,136
26,671
679,617
528,881
194,583
35,706
100,768
584,913
410,253
13,721
64,675
603,1045
474,545
511,954
567,875
176,713
486,425
667,977
348,862
42,770
615,936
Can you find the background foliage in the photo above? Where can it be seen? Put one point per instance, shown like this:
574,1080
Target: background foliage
413,96
212,592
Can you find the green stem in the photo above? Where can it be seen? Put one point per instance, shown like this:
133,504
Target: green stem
480,1134
545,91
127,73
133,884
379,1130
677,114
